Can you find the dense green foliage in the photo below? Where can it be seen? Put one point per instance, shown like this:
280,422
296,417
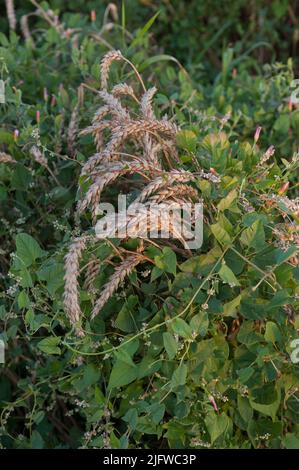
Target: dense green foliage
195,351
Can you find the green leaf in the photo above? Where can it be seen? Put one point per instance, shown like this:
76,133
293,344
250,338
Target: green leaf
199,323
217,425
36,441
187,139
247,335
272,333
282,124
50,345
157,58
167,261
53,275
201,264
91,375
28,250
170,344
125,320
181,328
131,417
291,441
245,374
244,408
252,308
156,412
122,355
23,300
254,236
141,32
230,308
179,376
228,276
121,374
227,202
266,399
220,234
281,256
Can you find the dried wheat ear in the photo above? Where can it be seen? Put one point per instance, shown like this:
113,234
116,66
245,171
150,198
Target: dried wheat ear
129,140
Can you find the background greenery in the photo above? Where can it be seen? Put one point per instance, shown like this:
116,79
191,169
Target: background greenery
209,60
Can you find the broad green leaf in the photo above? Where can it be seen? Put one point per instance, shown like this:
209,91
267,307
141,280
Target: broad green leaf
23,300
181,328
227,201
200,323
187,139
170,344
254,236
179,376
272,333
167,261
230,308
122,355
266,399
282,255
121,374
53,275
217,425
244,408
50,345
125,320
228,276
91,375
131,417
245,374
220,234
291,441
28,250
156,412
247,335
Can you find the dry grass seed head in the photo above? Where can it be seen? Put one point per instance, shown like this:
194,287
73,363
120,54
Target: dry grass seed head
106,62
146,107
6,158
72,263
38,156
92,270
73,131
178,191
120,273
11,16
161,182
123,89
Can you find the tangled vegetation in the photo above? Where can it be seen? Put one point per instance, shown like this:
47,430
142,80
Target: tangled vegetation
137,342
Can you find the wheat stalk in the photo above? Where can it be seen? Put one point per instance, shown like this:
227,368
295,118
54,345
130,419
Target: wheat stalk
114,105
107,174
106,64
38,156
120,273
24,24
71,296
123,89
5,158
11,16
163,189
72,131
161,182
146,104
180,192
121,133
92,271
